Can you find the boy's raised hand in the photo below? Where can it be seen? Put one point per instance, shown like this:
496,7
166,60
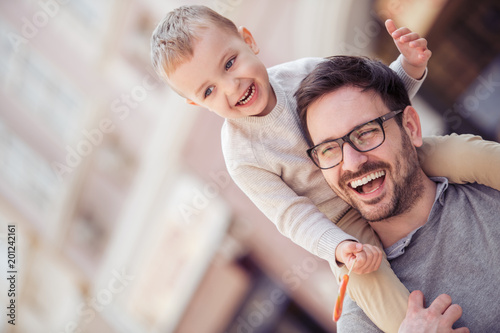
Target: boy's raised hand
412,47
368,257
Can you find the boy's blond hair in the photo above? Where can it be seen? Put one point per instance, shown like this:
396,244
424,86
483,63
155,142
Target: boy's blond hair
172,40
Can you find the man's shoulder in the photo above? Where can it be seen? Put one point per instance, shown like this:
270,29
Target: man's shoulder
471,198
473,189
286,77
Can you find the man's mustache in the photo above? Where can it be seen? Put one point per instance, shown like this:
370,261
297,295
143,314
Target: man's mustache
365,168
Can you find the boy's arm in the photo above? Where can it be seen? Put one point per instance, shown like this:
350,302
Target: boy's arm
412,85
412,62
462,159
296,217
299,219
413,49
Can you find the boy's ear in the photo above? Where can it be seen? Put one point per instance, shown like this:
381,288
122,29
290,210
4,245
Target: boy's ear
190,102
248,38
411,122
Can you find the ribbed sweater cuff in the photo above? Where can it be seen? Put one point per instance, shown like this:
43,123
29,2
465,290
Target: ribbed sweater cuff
408,81
329,241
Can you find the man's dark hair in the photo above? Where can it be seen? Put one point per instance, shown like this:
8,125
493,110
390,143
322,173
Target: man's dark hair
340,71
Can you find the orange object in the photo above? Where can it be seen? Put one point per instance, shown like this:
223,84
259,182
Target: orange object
337,311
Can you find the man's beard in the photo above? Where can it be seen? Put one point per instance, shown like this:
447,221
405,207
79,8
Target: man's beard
408,188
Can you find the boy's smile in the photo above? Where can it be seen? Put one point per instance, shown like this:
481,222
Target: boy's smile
225,75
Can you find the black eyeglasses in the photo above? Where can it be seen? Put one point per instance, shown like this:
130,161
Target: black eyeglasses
362,138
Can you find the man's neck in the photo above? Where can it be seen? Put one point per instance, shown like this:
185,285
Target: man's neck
395,228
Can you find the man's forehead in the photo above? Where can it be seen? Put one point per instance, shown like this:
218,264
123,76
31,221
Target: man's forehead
349,97
342,110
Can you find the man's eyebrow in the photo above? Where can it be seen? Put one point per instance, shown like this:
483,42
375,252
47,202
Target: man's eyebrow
333,138
329,139
225,53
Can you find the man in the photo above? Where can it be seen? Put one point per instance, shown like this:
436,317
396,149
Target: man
439,237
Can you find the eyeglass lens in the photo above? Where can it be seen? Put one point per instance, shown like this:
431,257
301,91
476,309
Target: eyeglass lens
364,138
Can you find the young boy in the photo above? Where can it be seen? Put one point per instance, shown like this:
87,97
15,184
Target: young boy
207,60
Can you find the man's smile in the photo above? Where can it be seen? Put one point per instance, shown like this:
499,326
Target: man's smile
369,183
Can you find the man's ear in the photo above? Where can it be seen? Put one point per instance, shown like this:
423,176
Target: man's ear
411,123
248,38
190,102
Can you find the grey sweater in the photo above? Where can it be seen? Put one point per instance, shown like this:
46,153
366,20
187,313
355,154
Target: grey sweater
266,157
457,252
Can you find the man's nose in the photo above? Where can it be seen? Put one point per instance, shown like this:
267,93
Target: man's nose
353,159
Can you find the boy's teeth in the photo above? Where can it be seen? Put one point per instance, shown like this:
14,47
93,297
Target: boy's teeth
248,95
367,179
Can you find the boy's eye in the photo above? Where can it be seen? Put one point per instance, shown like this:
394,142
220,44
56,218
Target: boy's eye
229,64
209,91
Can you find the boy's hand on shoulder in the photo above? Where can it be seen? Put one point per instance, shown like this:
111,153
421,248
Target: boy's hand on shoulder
412,47
368,257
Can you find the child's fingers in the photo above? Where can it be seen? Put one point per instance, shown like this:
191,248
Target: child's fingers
390,26
426,55
379,260
400,32
421,42
374,254
347,250
368,260
352,247
412,36
361,260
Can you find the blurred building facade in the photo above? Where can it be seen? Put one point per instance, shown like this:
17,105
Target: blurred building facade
126,219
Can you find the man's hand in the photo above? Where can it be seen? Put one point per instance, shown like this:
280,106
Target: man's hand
412,47
437,318
368,256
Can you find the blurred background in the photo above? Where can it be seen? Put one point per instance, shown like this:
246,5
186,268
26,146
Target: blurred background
124,216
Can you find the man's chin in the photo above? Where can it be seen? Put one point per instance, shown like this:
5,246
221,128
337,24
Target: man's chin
373,213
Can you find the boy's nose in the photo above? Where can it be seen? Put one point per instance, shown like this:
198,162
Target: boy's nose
353,159
231,85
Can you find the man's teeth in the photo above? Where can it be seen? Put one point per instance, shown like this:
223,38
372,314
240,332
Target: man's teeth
367,179
248,95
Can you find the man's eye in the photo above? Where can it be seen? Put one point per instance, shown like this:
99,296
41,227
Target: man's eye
325,151
328,150
209,91
367,133
229,64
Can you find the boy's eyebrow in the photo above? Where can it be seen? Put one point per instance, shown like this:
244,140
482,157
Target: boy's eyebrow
221,62
202,86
